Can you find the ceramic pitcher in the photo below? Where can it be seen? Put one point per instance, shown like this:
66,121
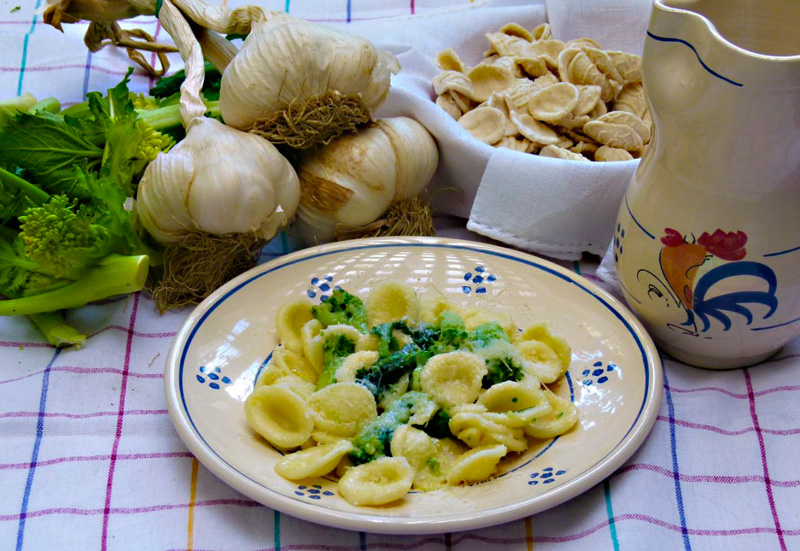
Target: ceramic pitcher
707,244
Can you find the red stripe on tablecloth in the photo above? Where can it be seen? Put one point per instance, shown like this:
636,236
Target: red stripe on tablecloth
725,432
99,457
120,418
715,479
86,370
741,396
94,414
763,449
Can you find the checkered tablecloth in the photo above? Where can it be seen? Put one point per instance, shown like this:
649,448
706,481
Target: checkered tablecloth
89,459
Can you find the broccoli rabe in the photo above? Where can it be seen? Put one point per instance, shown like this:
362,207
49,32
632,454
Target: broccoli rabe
342,308
452,333
485,333
373,441
387,371
334,350
501,369
439,425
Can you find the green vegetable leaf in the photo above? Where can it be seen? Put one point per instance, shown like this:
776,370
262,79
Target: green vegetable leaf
15,9
171,85
48,148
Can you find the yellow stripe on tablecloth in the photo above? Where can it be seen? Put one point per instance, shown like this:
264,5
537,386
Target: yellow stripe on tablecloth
529,533
192,499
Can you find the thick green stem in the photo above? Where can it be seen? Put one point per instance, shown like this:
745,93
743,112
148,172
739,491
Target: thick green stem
114,275
170,116
51,105
35,194
57,331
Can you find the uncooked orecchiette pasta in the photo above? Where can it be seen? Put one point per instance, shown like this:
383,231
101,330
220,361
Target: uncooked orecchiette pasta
406,390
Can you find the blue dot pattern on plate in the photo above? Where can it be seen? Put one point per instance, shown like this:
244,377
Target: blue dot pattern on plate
479,279
618,242
213,376
547,475
597,374
320,287
314,491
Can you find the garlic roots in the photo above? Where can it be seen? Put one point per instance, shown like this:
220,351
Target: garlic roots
352,181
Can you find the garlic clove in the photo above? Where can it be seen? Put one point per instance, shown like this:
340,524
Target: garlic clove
165,183
416,153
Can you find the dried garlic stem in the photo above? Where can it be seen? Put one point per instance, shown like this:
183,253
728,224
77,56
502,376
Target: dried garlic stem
216,48
405,217
221,18
102,33
192,105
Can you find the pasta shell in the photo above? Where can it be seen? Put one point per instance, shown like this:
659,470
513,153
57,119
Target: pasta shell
628,119
631,99
542,32
376,483
556,152
584,147
628,65
486,124
346,373
583,42
612,154
315,461
589,95
453,378
510,396
518,95
312,344
392,301
540,360
413,444
456,81
279,415
570,120
563,416
476,465
515,144
506,45
431,305
487,79
548,50
449,106
614,135
541,332
290,320
292,363
342,408
507,63
533,66
535,131
448,60
554,102
515,29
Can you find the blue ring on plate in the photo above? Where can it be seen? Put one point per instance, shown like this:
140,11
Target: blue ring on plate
247,282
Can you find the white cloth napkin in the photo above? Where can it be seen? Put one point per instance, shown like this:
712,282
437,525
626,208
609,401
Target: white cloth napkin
560,209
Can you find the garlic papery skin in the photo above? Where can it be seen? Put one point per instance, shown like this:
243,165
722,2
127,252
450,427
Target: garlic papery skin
218,180
285,61
352,181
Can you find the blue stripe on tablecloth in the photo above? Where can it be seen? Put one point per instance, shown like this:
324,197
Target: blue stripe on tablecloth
25,48
35,455
610,512
277,526
286,9
87,73
676,473
362,541
349,10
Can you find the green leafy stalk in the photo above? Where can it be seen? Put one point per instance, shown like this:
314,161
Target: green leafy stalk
56,330
342,308
113,275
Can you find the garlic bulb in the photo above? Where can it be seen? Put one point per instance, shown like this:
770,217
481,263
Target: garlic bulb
286,60
217,180
353,180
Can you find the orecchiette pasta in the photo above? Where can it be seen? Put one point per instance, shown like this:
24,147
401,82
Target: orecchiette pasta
404,390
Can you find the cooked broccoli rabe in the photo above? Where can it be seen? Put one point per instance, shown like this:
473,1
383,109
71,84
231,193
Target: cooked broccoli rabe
439,425
452,333
387,371
500,370
485,333
342,308
334,350
373,441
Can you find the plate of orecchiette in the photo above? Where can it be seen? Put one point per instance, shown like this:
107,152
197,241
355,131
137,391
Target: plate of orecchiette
412,385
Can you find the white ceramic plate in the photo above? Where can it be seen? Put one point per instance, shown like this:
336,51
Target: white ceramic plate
615,378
